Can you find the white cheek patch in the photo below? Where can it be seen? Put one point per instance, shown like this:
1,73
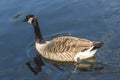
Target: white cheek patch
30,20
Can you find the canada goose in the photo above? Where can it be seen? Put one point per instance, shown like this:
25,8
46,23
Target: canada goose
64,48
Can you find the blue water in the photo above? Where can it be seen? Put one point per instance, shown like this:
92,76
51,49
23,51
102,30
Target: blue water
91,19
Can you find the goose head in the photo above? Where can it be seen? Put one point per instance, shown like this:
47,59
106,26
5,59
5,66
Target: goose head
31,19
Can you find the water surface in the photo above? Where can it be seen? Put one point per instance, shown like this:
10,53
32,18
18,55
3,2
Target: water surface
91,19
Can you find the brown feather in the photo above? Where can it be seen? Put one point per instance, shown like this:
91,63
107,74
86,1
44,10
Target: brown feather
64,48
68,44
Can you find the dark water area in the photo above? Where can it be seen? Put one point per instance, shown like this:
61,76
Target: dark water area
91,19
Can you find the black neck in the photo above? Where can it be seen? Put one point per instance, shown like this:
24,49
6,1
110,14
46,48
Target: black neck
38,34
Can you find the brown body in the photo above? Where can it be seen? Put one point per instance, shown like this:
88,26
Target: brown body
64,48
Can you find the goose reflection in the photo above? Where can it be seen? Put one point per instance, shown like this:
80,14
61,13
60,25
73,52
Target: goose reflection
36,64
87,65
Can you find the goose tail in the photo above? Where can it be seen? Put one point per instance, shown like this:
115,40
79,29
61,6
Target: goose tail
97,44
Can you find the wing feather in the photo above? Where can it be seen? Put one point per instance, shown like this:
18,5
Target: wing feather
67,44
